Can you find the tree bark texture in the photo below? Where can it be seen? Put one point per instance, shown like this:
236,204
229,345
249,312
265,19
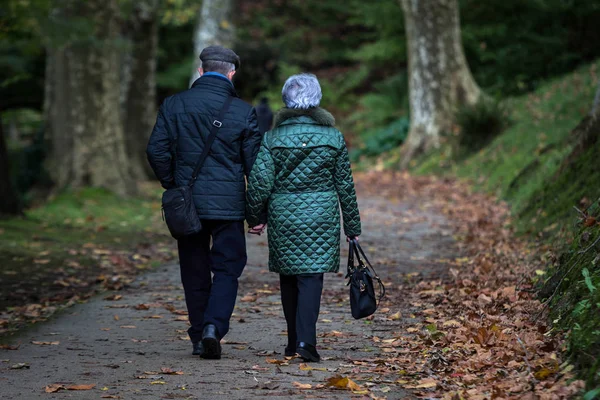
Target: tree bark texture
439,77
140,93
9,200
595,111
213,27
83,116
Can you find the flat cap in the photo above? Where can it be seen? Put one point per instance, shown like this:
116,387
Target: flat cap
220,53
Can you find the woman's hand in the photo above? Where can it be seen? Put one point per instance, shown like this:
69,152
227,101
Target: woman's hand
258,229
348,238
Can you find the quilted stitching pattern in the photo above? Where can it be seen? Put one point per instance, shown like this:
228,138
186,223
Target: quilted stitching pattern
302,176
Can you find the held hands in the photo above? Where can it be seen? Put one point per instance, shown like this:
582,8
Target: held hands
348,238
257,230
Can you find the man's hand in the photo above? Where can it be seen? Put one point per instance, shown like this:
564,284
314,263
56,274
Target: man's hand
258,229
351,237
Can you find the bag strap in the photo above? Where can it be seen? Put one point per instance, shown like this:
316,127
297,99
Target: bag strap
217,123
357,250
350,267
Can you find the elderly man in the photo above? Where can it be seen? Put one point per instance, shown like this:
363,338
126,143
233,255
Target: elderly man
179,136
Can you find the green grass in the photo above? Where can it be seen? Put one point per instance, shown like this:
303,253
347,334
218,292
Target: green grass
522,161
55,249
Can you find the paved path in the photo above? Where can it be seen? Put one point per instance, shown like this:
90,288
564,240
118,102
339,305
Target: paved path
122,345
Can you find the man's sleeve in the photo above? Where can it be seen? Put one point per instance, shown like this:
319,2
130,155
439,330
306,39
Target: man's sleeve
159,150
252,140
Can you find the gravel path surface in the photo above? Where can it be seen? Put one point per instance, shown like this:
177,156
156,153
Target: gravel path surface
135,346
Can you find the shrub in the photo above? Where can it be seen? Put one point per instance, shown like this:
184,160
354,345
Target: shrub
382,140
481,123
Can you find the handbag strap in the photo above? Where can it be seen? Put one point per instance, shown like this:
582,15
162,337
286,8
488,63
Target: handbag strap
217,123
359,251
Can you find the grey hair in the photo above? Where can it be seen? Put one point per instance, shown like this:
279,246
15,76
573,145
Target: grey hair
301,91
221,67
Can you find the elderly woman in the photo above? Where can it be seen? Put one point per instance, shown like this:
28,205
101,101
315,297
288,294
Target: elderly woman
299,181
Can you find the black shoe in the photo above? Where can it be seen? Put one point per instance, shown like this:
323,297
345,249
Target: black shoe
289,351
211,343
308,352
198,348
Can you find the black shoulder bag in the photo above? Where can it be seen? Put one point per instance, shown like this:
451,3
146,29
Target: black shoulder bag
178,207
360,279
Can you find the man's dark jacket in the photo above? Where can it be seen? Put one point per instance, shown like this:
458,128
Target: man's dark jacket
182,127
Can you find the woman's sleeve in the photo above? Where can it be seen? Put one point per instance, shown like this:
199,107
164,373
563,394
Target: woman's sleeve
260,186
344,185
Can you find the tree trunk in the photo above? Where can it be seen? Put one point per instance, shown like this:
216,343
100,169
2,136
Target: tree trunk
140,95
83,116
595,111
9,200
213,27
439,78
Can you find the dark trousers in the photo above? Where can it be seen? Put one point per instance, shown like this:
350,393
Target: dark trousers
211,301
301,300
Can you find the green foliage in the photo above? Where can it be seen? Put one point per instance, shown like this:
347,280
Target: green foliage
381,140
512,46
575,302
592,394
480,124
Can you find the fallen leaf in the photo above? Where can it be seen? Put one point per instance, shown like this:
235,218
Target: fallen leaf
278,362
81,387
158,383
55,387
114,297
128,326
20,366
248,298
10,347
169,371
302,385
340,382
142,307
395,317
45,343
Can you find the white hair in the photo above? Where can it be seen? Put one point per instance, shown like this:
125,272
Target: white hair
222,67
301,91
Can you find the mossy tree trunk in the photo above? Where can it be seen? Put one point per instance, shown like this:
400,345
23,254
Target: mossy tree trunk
439,76
213,27
9,200
139,96
82,107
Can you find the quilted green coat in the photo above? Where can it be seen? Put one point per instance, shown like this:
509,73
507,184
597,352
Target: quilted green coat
300,179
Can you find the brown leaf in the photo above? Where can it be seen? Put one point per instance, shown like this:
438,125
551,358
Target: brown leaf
340,382
113,297
81,387
10,347
128,326
45,343
589,221
54,387
169,371
278,362
248,298
302,385
142,307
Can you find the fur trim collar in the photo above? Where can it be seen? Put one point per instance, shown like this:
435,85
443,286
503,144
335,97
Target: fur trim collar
319,115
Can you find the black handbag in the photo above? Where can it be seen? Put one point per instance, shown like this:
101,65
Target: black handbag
361,277
178,209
